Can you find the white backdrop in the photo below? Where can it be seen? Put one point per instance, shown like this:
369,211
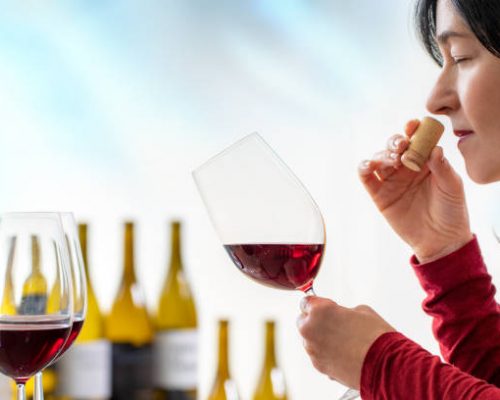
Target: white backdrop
106,107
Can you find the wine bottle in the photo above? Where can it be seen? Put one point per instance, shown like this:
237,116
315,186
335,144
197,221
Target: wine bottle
8,303
224,388
84,372
130,331
175,355
271,385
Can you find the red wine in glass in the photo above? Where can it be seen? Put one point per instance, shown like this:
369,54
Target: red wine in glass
75,331
282,266
27,348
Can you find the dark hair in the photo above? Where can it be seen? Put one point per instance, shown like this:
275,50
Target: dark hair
482,16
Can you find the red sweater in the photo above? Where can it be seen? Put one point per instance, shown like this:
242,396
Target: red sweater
466,322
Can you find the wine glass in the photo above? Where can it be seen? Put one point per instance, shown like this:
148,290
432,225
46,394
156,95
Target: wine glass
79,290
266,219
36,309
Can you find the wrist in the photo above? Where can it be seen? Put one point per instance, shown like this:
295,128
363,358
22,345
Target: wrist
430,255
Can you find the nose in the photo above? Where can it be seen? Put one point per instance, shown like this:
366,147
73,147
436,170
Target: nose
443,98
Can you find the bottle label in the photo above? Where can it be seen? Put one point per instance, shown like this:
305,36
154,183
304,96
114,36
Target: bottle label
176,359
33,304
132,372
84,372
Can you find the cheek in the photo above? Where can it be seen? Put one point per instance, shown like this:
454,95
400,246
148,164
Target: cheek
480,97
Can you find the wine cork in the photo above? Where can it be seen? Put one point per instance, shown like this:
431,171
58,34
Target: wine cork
422,142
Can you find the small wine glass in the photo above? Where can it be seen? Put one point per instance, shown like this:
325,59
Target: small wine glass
266,219
36,309
79,291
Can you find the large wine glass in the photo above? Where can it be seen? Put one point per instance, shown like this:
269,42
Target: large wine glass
36,309
79,290
266,219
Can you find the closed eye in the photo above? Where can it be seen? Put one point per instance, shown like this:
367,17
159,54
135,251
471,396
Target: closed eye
459,60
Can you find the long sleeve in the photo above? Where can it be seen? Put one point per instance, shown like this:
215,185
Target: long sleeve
466,317
395,368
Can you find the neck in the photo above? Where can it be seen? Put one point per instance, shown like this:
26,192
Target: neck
270,357
175,257
223,367
128,254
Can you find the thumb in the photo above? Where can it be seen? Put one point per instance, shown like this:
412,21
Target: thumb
308,303
443,173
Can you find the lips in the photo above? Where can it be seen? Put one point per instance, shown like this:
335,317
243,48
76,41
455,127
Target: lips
462,133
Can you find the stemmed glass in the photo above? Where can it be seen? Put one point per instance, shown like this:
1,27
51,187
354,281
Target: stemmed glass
266,219
79,290
36,309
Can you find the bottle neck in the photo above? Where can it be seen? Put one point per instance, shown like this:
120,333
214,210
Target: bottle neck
175,251
270,355
223,365
128,255
35,256
82,235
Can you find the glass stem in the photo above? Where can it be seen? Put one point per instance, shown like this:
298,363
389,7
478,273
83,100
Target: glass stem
38,387
21,394
310,292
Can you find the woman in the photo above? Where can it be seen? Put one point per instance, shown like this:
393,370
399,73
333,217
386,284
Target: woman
427,209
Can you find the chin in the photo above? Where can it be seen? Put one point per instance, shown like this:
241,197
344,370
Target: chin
481,175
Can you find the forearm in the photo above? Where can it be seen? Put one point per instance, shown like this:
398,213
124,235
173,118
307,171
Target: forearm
397,368
466,321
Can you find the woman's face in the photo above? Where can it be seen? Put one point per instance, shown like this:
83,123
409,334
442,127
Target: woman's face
468,92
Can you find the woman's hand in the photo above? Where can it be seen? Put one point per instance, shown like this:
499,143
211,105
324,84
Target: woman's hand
338,338
426,209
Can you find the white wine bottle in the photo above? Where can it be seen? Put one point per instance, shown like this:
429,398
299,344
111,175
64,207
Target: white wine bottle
271,385
8,303
130,331
224,388
175,352
84,372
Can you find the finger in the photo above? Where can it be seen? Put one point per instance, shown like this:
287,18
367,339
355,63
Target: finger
386,158
446,177
411,127
304,305
301,320
372,172
397,143
368,175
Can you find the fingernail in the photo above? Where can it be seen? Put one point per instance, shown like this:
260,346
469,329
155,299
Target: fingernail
396,142
364,165
394,156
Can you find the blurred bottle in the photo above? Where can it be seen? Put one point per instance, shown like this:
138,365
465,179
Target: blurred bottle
175,352
5,388
34,301
130,330
84,372
271,385
224,388
8,303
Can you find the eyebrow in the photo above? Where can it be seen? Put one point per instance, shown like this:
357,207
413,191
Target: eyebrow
444,36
